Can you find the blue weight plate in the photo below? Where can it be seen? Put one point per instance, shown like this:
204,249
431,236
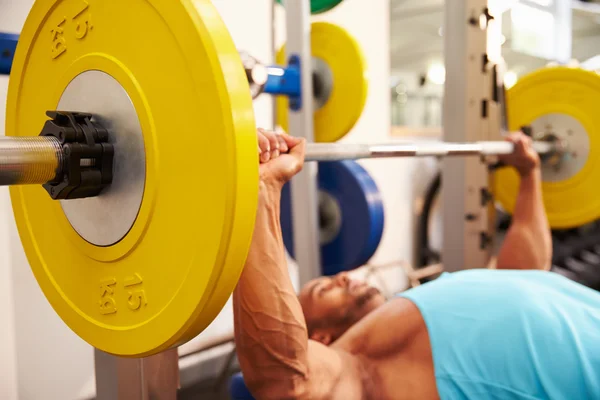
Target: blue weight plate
8,46
351,216
238,389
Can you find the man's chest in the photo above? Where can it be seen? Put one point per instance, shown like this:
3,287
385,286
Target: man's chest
408,374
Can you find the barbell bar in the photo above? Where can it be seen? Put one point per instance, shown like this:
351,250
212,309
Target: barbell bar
29,160
340,151
38,160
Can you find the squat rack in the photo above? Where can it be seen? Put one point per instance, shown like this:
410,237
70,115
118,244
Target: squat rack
471,50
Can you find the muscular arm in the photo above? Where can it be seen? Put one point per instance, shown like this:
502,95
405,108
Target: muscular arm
277,358
528,243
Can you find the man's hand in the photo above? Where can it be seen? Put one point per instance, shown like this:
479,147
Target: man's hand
281,157
525,159
528,243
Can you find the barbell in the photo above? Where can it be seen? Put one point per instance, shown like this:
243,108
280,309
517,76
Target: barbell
149,174
41,160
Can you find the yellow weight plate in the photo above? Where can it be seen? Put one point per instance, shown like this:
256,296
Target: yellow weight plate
564,102
342,71
173,271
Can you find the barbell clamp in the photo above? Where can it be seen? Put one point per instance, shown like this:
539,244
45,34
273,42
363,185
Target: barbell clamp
275,80
86,167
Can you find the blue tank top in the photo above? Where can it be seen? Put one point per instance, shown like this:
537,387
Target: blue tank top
512,335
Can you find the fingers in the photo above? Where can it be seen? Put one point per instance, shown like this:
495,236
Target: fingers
269,145
524,158
275,169
273,142
263,142
519,143
514,137
523,142
520,140
283,147
264,147
291,141
298,145
511,137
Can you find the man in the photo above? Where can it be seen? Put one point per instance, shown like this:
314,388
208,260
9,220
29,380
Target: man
518,332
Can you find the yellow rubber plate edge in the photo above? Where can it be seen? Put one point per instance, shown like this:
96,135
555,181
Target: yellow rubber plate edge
342,53
575,93
186,250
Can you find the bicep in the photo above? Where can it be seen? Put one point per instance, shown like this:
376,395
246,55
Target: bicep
333,374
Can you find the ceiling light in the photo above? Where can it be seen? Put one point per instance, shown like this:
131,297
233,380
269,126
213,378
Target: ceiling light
510,78
437,74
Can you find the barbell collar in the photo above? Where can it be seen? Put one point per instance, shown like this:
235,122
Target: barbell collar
71,157
33,160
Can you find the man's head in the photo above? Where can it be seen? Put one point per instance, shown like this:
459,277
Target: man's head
332,305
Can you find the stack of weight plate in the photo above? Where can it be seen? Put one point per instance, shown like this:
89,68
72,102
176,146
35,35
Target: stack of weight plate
351,216
351,213
576,254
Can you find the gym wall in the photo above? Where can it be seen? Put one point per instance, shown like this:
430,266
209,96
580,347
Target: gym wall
37,351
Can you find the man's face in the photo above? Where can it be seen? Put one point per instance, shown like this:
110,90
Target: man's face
333,304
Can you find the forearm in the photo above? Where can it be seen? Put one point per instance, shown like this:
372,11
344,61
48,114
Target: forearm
270,331
528,243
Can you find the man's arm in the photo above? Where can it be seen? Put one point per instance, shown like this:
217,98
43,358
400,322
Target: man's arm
277,358
528,243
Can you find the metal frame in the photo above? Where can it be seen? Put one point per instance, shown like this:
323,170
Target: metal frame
150,378
304,185
469,116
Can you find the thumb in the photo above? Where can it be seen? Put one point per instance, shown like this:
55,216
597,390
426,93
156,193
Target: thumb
291,141
298,152
298,149
299,145
512,138
520,143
